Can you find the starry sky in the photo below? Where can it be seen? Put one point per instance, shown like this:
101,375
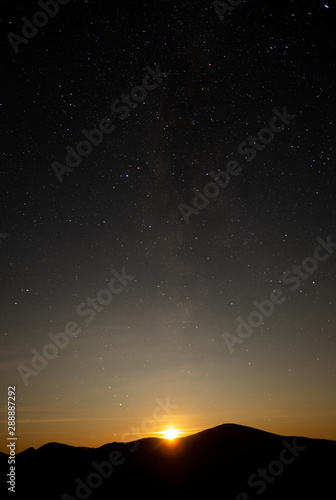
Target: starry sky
220,75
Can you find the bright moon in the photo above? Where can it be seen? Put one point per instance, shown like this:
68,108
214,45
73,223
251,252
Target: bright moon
170,434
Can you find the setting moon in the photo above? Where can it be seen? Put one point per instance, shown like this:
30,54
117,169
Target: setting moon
170,434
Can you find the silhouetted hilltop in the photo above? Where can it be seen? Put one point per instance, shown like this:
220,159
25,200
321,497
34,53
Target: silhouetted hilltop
229,461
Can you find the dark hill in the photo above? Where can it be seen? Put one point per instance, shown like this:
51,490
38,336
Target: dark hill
229,461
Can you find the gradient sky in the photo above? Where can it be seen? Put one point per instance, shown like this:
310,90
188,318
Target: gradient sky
162,335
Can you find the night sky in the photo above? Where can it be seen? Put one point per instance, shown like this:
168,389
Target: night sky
189,266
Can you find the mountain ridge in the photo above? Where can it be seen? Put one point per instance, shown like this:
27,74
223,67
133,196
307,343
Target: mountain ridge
243,462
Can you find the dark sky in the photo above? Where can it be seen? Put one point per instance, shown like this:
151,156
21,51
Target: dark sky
219,83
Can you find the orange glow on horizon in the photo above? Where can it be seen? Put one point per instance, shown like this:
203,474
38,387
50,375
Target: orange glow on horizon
171,434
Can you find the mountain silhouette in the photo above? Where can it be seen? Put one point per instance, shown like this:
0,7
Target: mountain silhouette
228,461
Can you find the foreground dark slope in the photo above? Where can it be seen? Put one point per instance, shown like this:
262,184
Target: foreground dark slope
215,463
